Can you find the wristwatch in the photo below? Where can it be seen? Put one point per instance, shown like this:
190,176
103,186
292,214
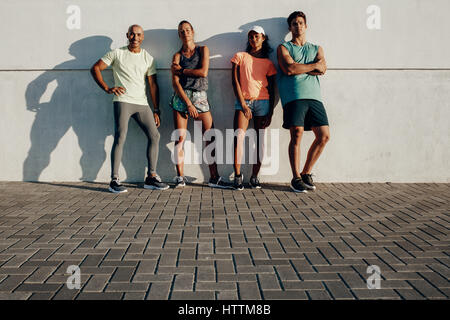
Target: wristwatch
157,111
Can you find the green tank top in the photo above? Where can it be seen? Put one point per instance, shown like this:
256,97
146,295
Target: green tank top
301,86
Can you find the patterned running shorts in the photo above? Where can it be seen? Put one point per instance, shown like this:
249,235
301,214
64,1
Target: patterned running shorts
198,98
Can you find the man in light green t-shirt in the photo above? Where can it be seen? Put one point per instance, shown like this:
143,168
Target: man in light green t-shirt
131,65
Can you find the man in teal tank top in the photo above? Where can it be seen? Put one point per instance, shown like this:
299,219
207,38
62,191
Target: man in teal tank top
301,63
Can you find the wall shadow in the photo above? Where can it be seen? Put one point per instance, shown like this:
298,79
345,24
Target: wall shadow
78,104
73,104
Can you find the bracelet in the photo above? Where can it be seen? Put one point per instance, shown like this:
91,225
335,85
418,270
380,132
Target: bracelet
157,111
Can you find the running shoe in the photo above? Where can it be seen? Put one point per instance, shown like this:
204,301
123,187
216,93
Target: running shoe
308,181
254,183
219,183
238,182
297,185
180,181
116,187
155,183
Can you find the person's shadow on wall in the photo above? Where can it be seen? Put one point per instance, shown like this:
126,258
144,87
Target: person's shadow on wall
73,104
77,103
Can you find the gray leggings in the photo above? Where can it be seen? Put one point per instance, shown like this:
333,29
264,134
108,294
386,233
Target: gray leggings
144,117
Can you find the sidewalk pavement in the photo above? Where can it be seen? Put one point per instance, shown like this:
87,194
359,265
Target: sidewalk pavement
203,243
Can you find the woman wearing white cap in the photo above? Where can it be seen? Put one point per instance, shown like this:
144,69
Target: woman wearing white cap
253,76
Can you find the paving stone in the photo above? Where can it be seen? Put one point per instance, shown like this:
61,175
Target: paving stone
123,274
134,296
40,275
17,271
249,291
38,287
410,294
303,285
186,295
215,286
66,294
338,290
12,282
183,282
127,287
287,273
426,289
285,295
206,274
319,276
41,296
96,283
269,282
99,296
318,294
376,294
42,254
113,263
159,291
152,278
176,270
435,279
227,295
92,260
401,276
236,277
225,267
15,295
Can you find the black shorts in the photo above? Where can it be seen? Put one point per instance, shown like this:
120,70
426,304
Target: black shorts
307,113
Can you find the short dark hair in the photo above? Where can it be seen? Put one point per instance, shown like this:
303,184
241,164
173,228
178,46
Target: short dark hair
294,15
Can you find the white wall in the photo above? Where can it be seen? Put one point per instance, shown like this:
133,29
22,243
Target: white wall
386,91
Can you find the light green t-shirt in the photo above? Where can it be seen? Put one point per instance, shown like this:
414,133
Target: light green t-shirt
130,71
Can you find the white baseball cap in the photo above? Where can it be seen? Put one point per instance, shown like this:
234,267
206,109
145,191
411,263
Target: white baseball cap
257,29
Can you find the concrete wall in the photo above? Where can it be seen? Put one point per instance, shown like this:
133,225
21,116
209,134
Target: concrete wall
387,91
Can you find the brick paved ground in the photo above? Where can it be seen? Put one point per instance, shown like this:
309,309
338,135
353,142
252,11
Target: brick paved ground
202,243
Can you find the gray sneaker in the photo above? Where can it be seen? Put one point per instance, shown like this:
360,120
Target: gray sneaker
219,183
180,181
308,181
238,182
116,187
155,183
297,185
254,183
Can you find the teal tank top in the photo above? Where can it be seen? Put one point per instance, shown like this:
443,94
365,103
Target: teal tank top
301,86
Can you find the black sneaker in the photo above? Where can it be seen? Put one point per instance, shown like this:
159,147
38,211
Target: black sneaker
297,185
116,187
154,183
180,181
308,181
238,185
254,183
219,183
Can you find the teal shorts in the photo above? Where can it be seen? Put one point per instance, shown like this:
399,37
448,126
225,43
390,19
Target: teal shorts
307,113
260,108
198,98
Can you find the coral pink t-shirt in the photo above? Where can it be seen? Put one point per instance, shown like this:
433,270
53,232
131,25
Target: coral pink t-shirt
253,73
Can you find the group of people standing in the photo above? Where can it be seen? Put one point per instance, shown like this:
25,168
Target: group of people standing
253,77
